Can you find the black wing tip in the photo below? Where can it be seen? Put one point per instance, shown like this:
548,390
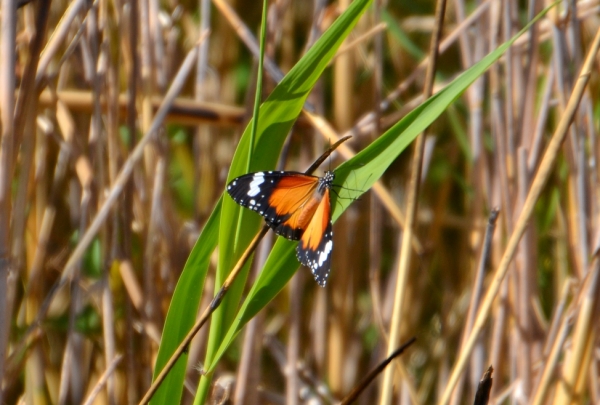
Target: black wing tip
321,274
321,281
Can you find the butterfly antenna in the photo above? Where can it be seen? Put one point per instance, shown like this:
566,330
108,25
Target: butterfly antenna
326,154
329,140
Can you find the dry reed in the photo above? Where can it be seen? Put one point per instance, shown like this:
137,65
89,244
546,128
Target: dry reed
107,177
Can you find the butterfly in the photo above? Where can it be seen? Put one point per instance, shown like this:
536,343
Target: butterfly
296,206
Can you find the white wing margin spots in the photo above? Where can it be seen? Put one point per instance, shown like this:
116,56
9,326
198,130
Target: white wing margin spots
319,260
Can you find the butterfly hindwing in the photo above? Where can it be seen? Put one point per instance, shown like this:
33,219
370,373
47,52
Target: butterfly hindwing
278,196
315,247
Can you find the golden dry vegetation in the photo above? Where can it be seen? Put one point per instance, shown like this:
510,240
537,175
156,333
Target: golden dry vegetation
95,232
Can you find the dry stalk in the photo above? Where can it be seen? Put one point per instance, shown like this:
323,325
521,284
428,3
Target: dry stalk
119,184
8,26
578,360
411,209
537,185
103,379
373,373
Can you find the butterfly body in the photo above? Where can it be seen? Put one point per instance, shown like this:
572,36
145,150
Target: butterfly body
297,207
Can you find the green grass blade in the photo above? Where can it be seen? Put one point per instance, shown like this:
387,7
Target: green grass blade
277,115
183,309
362,171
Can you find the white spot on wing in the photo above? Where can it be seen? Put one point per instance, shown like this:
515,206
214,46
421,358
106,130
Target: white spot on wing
325,253
257,180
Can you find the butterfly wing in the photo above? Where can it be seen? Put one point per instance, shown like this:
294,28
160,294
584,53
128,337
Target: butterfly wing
314,249
284,199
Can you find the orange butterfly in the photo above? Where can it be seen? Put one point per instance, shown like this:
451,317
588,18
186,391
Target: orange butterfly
297,207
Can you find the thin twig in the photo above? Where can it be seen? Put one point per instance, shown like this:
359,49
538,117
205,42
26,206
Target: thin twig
371,376
103,379
548,371
182,110
25,109
58,36
482,396
477,288
374,32
537,139
577,361
524,292
248,38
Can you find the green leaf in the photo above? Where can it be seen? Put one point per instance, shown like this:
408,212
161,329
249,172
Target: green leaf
363,171
183,309
277,115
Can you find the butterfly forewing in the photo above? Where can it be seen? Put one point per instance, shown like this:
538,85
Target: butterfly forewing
277,196
314,249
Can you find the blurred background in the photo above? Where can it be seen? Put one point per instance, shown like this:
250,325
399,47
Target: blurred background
84,83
